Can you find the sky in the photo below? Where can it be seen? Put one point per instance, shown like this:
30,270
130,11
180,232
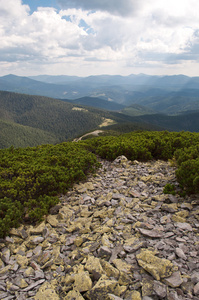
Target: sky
93,37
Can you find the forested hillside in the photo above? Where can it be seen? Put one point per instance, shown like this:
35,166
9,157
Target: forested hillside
28,120
31,120
98,103
23,136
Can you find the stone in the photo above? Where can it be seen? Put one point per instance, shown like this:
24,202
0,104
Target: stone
20,282
113,297
195,277
104,252
174,280
73,295
151,233
196,289
134,295
147,287
122,265
157,267
93,264
160,289
180,253
52,220
5,256
46,291
102,288
83,282
171,208
124,279
38,230
33,285
22,260
184,226
109,270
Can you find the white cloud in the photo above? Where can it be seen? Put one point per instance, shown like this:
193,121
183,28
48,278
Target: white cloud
93,36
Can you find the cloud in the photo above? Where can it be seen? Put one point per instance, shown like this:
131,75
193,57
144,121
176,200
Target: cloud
117,7
92,36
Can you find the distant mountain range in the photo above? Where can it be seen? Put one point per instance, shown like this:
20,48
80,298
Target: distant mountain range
164,94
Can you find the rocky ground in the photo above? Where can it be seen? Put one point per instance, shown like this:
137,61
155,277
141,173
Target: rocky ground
116,236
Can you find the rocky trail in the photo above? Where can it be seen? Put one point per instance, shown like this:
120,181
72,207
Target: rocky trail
115,236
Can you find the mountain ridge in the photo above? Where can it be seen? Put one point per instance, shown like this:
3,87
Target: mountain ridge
165,94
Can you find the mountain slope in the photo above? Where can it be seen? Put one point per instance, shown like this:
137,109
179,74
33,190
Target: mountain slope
98,103
183,122
49,120
137,110
21,136
29,86
57,118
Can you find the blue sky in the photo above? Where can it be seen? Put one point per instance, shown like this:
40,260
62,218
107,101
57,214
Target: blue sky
88,37
34,4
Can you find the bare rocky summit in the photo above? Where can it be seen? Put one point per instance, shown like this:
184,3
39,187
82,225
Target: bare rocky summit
116,236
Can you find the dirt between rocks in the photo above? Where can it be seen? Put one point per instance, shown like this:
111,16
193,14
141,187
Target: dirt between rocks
115,236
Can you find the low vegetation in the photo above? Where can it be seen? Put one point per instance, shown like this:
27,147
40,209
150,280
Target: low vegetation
32,178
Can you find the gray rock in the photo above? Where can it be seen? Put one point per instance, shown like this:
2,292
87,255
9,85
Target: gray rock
160,289
33,285
180,253
195,277
151,233
196,289
184,226
174,280
104,252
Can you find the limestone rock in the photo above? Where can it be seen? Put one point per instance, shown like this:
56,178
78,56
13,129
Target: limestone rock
134,295
109,270
46,291
93,264
157,267
52,220
123,266
113,297
83,282
73,295
102,288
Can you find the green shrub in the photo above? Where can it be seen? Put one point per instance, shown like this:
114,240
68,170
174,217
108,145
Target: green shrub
31,179
188,175
169,189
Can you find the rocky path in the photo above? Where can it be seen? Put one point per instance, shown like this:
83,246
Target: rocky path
116,236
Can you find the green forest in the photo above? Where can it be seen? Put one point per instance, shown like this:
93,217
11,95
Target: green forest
32,178
29,120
